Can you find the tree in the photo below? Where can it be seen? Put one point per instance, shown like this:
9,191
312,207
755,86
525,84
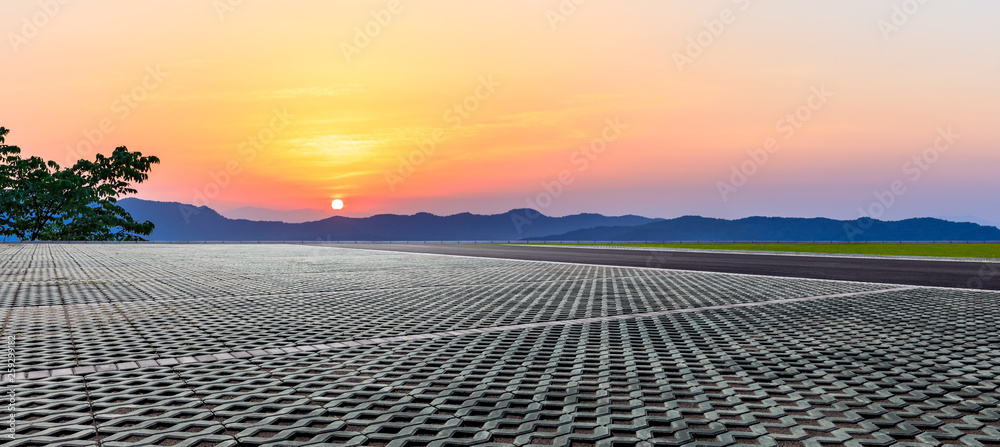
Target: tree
41,201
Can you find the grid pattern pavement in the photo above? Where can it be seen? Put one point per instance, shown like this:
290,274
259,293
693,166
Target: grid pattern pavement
876,366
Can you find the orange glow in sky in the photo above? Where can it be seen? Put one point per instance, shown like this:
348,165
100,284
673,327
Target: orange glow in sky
634,106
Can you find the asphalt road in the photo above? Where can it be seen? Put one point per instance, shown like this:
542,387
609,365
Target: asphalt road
976,275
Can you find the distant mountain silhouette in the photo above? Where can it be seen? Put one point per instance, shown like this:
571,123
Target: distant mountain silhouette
266,214
180,222
696,228
973,219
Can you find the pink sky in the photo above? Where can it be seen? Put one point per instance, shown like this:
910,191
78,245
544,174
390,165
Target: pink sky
515,91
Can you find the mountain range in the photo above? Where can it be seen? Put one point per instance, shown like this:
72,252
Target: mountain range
182,222
696,228
265,214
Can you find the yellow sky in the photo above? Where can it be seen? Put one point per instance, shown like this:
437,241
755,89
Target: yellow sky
202,82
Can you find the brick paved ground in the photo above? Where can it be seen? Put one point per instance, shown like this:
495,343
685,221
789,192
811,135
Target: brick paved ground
297,345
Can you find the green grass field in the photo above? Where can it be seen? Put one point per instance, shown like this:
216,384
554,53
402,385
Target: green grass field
945,250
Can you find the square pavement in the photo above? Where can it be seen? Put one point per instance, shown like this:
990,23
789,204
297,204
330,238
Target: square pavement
230,344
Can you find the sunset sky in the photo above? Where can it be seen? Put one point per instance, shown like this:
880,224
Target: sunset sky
289,105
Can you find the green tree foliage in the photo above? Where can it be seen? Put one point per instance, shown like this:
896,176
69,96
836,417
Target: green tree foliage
41,201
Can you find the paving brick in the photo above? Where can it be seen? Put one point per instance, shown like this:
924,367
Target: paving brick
297,345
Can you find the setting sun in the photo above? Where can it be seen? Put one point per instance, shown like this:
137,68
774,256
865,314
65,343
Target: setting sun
783,217
419,112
